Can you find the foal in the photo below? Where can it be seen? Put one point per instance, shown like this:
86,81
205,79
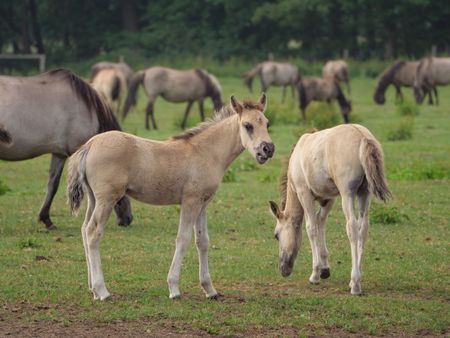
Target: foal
185,170
345,160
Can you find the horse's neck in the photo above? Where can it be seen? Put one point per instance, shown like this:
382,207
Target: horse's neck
293,209
221,142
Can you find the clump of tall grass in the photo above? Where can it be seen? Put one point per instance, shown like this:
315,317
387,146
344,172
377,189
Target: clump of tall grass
322,115
402,131
381,214
407,108
4,188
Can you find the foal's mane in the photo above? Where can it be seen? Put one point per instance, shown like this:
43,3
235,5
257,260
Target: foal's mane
91,99
219,115
387,76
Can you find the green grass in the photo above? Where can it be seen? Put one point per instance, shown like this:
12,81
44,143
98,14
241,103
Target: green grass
406,264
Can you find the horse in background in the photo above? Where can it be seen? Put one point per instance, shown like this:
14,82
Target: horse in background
121,67
185,170
400,74
337,70
111,84
319,89
273,74
52,113
345,160
174,86
431,72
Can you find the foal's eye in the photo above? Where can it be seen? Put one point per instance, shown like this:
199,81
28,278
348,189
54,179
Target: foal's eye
248,127
276,236
268,125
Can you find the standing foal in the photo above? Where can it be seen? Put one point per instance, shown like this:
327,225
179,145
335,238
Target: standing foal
185,170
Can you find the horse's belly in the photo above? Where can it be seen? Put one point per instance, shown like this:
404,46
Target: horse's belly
156,196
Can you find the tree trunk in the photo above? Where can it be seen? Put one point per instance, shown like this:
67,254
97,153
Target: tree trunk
36,27
25,38
389,47
129,15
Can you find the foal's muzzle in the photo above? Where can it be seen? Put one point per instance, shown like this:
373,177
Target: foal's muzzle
264,151
286,264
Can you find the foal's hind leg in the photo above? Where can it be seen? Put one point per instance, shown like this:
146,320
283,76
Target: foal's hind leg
348,207
322,216
90,209
202,241
94,233
284,94
364,203
190,212
56,168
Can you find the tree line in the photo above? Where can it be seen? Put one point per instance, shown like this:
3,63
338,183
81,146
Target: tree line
222,29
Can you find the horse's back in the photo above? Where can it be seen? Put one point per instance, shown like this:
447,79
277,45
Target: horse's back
328,161
43,115
173,84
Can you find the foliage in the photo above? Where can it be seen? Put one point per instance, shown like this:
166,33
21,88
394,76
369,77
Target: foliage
230,175
223,29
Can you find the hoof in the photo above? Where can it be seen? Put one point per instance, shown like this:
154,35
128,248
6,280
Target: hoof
51,227
325,273
178,296
314,282
213,297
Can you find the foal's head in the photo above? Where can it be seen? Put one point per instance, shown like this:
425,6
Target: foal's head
288,234
418,94
253,128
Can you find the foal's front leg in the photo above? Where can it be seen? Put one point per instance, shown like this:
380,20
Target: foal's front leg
307,201
188,216
202,241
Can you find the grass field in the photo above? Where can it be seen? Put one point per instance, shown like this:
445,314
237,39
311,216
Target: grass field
406,268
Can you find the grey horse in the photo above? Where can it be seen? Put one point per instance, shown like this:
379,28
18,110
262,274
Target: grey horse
56,113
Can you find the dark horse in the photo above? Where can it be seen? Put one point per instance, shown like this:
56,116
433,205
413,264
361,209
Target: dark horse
320,89
400,74
56,113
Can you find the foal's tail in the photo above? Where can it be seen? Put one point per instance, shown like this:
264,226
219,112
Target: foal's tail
249,76
135,81
371,157
77,177
5,136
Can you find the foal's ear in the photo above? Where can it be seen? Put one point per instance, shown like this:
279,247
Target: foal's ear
276,212
237,107
263,101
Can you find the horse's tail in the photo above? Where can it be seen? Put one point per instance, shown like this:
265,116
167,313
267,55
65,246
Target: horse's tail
371,157
5,136
77,177
250,75
115,92
135,81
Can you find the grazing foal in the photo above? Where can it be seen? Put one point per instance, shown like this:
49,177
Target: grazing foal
185,170
345,160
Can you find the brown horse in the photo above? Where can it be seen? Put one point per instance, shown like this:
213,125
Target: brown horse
431,72
345,160
338,71
111,85
273,74
55,112
121,67
319,89
185,170
400,74
174,86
